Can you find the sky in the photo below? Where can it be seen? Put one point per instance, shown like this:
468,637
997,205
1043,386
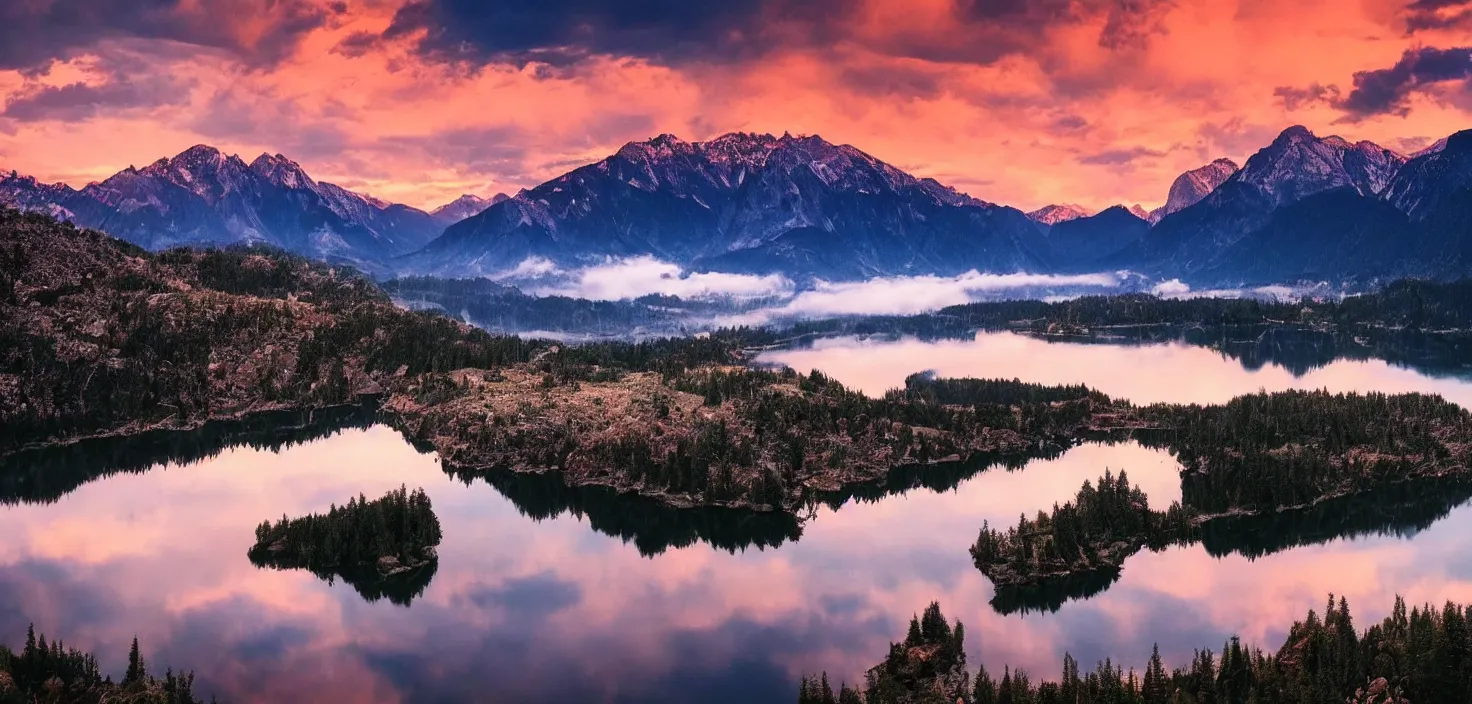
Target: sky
1021,102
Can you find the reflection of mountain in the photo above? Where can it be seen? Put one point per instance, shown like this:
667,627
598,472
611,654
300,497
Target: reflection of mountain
46,474
652,527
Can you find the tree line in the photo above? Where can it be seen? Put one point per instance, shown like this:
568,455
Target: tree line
53,672
1421,655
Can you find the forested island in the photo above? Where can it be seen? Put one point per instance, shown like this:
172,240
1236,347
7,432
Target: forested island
53,672
1423,655
383,548
1260,456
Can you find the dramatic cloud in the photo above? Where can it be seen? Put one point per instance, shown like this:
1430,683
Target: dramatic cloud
81,101
1022,102
1387,91
1121,157
35,32
1422,15
561,32
1298,98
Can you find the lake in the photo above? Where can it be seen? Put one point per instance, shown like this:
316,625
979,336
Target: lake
549,594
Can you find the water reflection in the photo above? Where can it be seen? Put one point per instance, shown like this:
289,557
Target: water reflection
1171,372
548,610
549,594
46,474
651,526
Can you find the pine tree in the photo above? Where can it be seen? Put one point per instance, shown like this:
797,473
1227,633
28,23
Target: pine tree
1157,683
984,690
136,671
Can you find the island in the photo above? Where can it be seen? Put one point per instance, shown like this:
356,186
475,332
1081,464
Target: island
383,548
1258,458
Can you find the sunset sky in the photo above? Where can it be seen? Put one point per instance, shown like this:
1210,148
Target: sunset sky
1022,102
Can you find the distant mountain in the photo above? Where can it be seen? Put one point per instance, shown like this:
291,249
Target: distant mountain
203,196
1434,190
1298,164
465,206
743,203
1054,214
1302,208
1294,167
1335,235
1085,243
1190,187
27,194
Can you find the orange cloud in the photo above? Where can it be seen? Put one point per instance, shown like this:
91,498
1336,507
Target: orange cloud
1023,103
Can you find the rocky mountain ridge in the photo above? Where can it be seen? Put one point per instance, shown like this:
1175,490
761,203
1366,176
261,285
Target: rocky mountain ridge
810,209
750,203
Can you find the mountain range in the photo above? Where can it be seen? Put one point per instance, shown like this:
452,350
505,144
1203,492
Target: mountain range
741,203
205,197
1302,208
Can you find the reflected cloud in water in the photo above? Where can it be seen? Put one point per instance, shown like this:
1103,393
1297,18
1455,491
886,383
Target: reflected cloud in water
1155,373
537,602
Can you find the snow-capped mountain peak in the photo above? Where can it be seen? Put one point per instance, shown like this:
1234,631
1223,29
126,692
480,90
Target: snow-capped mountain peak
204,196
282,172
1054,214
1299,164
467,205
1190,187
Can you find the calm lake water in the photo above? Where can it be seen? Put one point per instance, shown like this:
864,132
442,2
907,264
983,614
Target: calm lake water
559,609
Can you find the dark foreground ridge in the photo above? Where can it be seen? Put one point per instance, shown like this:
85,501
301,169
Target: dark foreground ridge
384,547
1420,656
43,672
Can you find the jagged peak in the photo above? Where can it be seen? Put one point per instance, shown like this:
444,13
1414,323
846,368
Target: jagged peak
740,136
200,151
281,171
1295,134
1059,213
666,139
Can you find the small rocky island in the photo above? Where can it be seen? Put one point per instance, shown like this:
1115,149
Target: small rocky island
384,547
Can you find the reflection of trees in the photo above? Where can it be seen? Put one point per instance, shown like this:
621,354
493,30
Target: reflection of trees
652,526
401,589
1402,509
939,477
1052,594
46,474
1301,350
